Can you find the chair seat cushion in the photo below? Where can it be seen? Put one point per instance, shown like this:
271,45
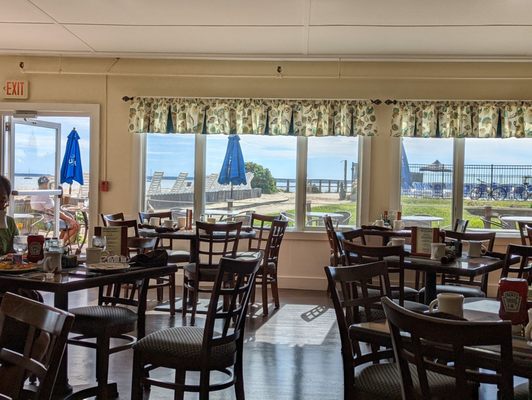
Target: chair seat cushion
378,313
383,381
178,256
184,344
467,291
205,274
91,320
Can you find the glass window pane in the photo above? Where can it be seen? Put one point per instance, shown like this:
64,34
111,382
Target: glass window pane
497,182
427,181
271,171
332,176
169,171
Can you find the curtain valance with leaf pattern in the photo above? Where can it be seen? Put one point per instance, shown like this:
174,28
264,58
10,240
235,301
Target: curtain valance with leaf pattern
448,119
252,116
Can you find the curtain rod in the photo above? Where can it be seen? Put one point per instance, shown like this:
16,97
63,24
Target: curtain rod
374,101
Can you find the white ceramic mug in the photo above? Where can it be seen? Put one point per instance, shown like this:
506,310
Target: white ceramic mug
379,222
153,221
437,251
94,255
3,219
181,222
168,223
448,303
475,248
211,220
398,225
396,242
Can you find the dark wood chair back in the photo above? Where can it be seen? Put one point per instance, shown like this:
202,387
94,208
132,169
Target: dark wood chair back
352,291
335,239
460,225
430,339
261,224
144,217
523,269
275,238
131,224
214,241
112,217
360,254
529,234
233,285
524,234
47,332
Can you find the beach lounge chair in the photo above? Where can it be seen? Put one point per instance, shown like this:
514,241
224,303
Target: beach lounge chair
155,184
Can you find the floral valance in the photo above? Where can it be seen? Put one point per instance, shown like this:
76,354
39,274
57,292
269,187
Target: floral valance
252,116
448,119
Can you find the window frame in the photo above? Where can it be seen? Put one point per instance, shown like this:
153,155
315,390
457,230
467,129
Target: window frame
200,150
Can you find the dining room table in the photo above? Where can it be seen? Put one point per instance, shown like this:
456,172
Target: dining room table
72,280
475,310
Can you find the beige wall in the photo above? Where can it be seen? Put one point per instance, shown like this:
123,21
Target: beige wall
105,81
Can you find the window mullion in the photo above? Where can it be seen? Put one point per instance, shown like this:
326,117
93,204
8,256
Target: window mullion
200,148
458,178
301,181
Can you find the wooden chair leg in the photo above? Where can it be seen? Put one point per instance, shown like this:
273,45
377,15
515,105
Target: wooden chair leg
194,305
184,299
239,378
171,294
160,294
179,380
204,384
275,290
102,365
137,389
264,287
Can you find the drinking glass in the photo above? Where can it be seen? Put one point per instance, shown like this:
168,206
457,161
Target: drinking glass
20,244
99,241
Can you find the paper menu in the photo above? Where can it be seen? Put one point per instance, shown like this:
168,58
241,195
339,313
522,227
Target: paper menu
113,237
422,238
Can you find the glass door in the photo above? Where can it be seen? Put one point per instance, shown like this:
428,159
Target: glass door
33,163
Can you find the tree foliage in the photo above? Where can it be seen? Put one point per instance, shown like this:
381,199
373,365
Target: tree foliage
262,178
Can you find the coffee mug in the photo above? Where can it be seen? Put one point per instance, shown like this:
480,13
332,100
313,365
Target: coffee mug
3,219
168,223
154,221
398,225
379,222
94,255
211,220
448,303
181,222
396,242
437,251
475,248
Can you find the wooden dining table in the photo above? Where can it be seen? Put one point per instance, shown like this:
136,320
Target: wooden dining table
476,310
73,280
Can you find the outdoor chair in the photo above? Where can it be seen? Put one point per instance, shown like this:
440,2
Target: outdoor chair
426,346
356,293
205,350
43,347
212,242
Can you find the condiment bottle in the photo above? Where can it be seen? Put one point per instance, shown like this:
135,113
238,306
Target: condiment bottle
35,248
513,297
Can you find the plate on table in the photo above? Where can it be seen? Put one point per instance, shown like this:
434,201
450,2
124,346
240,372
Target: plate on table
108,267
8,267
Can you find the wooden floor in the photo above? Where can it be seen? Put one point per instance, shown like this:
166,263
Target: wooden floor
293,354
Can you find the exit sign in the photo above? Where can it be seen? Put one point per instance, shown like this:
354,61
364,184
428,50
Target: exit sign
15,89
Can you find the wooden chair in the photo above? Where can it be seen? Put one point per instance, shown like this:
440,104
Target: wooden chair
140,245
43,347
267,274
111,217
213,241
469,287
460,225
529,234
190,348
174,256
335,239
360,254
351,291
523,233
112,318
524,268
431,339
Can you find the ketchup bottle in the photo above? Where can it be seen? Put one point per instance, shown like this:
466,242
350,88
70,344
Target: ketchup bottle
35,248
513,297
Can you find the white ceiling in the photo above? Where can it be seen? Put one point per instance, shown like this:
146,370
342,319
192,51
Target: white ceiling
366,29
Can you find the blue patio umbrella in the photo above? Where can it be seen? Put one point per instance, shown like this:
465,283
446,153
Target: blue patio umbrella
233,168
71,169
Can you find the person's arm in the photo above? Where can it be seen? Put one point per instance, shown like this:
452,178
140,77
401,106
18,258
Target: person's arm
13,231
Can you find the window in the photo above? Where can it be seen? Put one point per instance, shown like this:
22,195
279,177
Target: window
331,168
497,182
169,171
332,180
427,181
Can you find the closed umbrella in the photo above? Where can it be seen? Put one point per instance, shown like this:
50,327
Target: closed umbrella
233,168
71,169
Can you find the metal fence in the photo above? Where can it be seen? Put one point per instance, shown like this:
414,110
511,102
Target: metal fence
507,181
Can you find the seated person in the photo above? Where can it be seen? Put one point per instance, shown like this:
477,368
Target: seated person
68,226
9,231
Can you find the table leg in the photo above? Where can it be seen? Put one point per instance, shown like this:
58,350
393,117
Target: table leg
61,385
430,286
